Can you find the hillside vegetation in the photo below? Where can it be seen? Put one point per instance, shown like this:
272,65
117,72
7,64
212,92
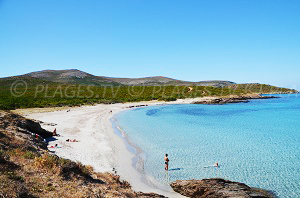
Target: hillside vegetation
72,88
50,95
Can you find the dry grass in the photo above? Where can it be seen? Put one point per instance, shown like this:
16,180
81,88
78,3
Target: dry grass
28,173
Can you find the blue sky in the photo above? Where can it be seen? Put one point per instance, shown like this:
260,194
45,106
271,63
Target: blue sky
241,41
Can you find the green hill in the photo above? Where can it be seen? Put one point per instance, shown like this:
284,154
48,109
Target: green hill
51,88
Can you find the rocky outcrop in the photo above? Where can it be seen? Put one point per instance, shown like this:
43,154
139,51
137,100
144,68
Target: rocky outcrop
236,99
8,119
147,195
217,188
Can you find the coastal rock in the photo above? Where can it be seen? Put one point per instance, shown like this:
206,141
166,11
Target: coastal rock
13,120
222,101
147,195
217,188
235,99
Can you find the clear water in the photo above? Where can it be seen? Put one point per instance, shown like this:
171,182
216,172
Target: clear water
257,143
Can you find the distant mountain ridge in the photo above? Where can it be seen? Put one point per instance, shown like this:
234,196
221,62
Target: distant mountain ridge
74,76
71,76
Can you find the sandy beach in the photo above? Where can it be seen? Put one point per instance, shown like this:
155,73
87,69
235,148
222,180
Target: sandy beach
98,145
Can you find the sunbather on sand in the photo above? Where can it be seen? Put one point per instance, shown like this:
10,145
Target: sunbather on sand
69,140
55,146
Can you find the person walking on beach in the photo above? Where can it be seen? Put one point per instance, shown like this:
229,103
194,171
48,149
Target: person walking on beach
166,162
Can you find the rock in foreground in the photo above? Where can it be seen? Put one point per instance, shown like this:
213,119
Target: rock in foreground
217,188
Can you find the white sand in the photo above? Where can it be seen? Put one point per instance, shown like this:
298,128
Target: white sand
98,145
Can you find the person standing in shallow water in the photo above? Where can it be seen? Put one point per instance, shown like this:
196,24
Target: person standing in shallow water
166,162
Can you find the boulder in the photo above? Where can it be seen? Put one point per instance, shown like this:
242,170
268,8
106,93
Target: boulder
217,188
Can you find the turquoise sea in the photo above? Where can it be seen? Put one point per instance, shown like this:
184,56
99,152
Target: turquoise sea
257,143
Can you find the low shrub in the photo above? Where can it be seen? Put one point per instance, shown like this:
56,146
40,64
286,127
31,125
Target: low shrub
69,169
170,99
29,155
14,176
46,161
12,188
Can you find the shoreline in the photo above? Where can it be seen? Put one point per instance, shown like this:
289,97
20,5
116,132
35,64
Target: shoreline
138,161
99,145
